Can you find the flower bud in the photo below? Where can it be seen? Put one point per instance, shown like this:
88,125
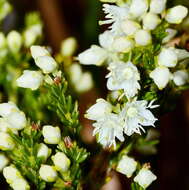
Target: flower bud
98,110
6,142
127,166
3,41
43,151
46,63
130,27
5,9
123,44
93,56
30,79
170,34
106,39
61,162
29,37
167,57
3,161
143,38
48,173
161,76
144,178
38,51
4,125
51,134
138,8
68,46
75,73
7,108
20,184
180,77
157,6
14,41
176,14
151,21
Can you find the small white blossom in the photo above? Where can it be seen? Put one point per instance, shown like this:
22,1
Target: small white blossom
61,162
37,51
171,34
4,125
180,77
48,173
30,79
145,177
181,54
3,161
167,57
123,76
130,27
151,21
20,184
176,14
52,135
43,151
68,46
7,108
14,41
127,166
143,38
136,114
161,76
6,142
99,110
157,6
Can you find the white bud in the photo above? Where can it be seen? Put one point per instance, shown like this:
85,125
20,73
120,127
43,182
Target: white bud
157,6
4,125
37,51
51,134
167,57
151,21
106,39
6,142
138,7
29,37
143,37
61,162
48,173
7,108
16,120
144,178
3,161
171,34
180,77
93,56
14,41
123,44
20,184
181,54
75,73
98,110
130,27
3,41
68,47
176,14
46,63
43,151
30,79
161,76
127,166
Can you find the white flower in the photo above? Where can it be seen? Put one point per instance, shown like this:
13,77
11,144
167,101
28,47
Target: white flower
61,162
6,142
127,166
145,177
68,46
7,108
151,21
122,44
46,63
108,129
48,173
123,76
30,79
161,76
138,8
157,6
20,184
37,51
171,34
167,57
51,134
43,151
3,161
130,27
136,114
181,54
93,56
176,14
3,41
99,110
4,125
180,77
14,41
143,37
